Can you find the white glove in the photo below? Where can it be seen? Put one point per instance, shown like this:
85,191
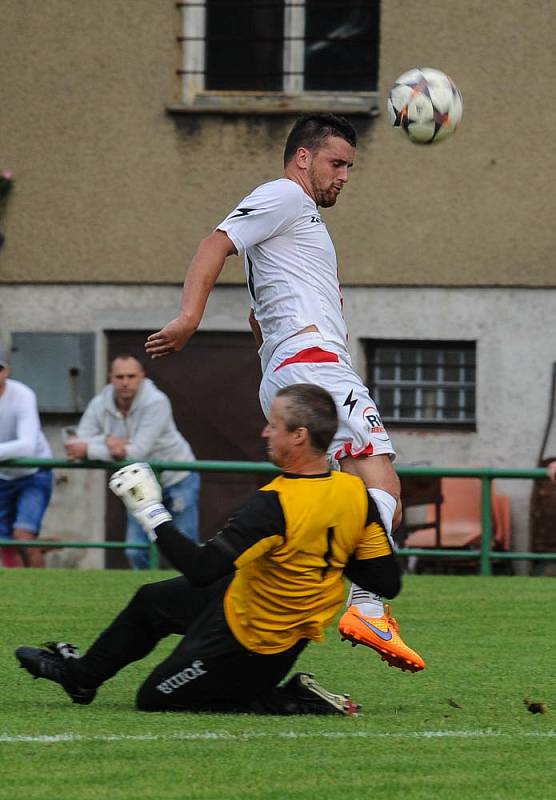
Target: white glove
139,489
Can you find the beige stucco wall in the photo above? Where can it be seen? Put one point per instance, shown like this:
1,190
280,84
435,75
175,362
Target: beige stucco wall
112,189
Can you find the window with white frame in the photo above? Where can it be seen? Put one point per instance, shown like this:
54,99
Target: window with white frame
423,383
279,55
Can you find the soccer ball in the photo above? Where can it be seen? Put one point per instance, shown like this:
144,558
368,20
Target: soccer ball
425,104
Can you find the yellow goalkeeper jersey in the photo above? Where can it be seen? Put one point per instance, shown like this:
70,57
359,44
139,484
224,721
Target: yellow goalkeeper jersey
290,545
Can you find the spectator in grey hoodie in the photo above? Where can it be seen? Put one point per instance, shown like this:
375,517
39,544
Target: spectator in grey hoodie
132,419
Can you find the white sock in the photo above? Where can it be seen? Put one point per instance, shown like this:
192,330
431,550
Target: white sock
386,505
369,604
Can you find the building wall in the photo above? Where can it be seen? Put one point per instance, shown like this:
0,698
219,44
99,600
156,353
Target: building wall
111,188
514,364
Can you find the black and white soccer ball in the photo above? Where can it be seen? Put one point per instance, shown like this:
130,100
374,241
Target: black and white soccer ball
426,104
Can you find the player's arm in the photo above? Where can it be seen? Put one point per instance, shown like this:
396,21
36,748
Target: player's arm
255,328
551,470
203,272
257,527
201,564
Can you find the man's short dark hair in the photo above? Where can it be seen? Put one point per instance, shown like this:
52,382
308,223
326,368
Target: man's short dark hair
312,130
126,357
312,407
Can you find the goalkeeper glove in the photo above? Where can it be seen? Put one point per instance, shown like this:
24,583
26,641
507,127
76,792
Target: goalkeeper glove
140,491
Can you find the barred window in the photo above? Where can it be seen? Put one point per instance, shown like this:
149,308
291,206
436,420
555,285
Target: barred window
280,55
423,384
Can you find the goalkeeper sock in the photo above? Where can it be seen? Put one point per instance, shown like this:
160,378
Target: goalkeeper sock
367,603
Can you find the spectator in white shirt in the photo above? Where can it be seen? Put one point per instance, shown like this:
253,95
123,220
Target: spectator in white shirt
24,492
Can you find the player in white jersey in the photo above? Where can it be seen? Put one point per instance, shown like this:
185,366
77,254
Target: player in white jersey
296,317
290,264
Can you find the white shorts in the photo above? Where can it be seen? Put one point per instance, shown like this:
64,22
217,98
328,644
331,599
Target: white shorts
307,358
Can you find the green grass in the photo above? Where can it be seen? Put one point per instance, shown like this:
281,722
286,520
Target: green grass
488,642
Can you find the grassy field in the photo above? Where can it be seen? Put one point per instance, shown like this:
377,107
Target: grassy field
459,729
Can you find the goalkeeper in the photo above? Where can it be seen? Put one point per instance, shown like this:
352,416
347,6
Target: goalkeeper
252,597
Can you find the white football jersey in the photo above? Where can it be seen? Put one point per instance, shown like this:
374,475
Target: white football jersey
290,264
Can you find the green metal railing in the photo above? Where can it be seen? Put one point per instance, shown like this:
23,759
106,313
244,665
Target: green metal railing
484,553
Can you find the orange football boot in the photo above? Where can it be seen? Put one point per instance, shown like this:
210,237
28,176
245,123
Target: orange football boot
383,635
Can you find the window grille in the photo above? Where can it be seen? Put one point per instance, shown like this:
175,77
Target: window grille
423,384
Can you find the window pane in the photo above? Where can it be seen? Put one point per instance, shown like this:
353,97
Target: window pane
451,373
408,373
428,410
385,355
385,401
341,44
451,357
429,361
408,360
469,403
407,403
386,373
469,357
244,45
451,405
386,364
408,356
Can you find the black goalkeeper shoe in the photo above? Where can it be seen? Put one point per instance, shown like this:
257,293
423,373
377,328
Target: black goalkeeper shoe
311,698
52,663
